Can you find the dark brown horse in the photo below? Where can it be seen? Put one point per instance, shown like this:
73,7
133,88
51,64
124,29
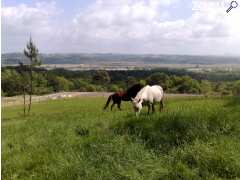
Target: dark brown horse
118,97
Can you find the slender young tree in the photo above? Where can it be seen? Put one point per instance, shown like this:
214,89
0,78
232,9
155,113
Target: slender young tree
31,52
24,83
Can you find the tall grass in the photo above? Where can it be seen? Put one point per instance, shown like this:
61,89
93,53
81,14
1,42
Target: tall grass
194,138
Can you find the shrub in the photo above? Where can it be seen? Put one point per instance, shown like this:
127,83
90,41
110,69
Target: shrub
101,77
114,88
90,88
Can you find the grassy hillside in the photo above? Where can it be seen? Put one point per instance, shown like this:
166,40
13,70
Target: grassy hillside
194,138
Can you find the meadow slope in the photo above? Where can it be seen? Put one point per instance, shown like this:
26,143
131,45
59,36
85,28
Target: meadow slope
193,138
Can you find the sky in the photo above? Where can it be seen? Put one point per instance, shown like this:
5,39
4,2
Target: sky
194,27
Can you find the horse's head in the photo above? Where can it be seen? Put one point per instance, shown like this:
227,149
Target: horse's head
137,104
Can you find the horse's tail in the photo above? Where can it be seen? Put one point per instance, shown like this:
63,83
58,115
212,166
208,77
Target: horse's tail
108,101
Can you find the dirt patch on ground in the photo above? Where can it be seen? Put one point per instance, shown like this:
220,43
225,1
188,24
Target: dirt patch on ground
17,100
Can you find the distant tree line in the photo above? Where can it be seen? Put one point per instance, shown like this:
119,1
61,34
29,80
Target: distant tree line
172,80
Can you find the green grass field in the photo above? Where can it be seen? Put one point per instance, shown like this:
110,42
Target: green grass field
194,138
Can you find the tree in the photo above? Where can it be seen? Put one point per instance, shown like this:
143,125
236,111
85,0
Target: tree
188,85
114,88
91,88
101,77
131,81
31,52
142,82
160,79
206,88
23,70
236,88
222,89
40,84
62,84
11,82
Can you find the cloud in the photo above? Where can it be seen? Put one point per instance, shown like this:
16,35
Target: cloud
18,22
122,19
126,26
128,23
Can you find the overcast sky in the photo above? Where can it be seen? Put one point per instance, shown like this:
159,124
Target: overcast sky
122,26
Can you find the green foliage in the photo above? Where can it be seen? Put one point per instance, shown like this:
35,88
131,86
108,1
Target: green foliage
40,84
64,80
175,84
11,82
62,84
81,85
160,79
193,138
90,88
31,52
114,88
224,89
142,82
131,81
101,77
236,88
188,85
206,87
2,93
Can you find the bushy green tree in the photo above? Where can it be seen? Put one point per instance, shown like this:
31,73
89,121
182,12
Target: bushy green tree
78,83
114,88
188,85
131,81
62,84
84,85
160,79
41,84
236,88
101,77
143,82
91,88
223,89
206,87
11,82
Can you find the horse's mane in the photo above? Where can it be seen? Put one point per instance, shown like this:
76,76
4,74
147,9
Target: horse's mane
132,91
134,88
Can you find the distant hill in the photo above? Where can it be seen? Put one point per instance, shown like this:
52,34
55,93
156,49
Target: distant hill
14,58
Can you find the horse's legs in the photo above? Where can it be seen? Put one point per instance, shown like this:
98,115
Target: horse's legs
119,105
153,109
148,108
161,105
112,106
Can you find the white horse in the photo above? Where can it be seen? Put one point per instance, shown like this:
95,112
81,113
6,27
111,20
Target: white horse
148,95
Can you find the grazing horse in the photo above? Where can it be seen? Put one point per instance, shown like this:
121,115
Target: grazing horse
123,96
148,95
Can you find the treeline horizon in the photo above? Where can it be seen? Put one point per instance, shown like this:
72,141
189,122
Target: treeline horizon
95,58
172,81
